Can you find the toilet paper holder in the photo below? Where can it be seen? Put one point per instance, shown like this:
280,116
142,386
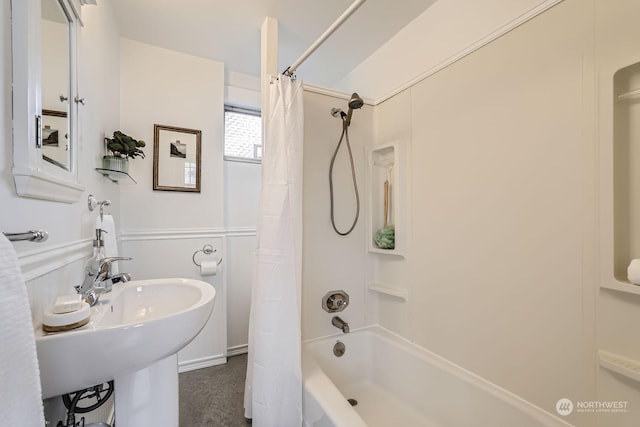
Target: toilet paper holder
207,250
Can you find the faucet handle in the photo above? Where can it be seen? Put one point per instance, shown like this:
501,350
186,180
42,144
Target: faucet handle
335,301
105,263
111,259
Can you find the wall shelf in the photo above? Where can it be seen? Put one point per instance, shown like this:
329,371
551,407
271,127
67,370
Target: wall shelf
622,287
630,368
628,96
402,294
116,176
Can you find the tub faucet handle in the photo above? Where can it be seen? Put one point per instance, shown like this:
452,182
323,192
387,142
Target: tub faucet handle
335,301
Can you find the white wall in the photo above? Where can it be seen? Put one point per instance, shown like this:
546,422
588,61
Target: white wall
160,86
444,32
187,91
500,263
616,32
242,90
332,262
162,229
70,226
241,194
511,151
242,189
52,268
240,258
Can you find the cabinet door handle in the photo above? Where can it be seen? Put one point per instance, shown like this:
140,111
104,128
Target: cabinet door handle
79,100
63,98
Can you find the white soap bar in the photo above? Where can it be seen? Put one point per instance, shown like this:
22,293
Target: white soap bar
67,304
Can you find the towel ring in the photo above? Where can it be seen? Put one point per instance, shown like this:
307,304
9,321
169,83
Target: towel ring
207,250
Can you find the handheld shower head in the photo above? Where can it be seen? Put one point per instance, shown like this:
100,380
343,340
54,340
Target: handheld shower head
355,103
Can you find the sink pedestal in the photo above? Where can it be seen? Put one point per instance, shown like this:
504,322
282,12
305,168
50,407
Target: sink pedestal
148,397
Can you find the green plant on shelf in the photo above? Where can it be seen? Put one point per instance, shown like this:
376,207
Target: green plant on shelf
122,145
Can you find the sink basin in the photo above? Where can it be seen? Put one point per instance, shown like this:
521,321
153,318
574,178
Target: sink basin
135,325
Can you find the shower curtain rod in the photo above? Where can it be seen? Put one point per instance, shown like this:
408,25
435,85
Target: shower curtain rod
347,13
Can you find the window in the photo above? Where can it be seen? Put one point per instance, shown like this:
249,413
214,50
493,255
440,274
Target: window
242,134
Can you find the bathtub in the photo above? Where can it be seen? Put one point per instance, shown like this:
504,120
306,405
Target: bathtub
396,383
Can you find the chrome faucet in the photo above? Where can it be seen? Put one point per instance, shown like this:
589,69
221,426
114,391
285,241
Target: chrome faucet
101,281
340,324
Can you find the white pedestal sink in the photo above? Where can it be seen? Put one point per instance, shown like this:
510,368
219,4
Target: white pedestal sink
133,337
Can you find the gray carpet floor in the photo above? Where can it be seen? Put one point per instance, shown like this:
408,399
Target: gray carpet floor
214,397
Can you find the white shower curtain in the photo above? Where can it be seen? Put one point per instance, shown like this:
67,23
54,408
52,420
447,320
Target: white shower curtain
273,388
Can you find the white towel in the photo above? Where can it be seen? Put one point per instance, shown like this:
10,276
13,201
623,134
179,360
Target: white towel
20,391
110,241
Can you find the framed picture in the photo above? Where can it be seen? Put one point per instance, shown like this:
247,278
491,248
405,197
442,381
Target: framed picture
176,159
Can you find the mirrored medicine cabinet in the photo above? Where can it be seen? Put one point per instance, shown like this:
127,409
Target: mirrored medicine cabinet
45,99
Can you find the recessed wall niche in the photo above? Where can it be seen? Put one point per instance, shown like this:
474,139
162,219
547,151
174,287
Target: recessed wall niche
385,172
626,169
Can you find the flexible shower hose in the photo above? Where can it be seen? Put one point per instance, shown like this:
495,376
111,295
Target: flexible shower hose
345,135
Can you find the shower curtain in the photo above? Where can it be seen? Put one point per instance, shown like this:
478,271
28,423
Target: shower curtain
273,388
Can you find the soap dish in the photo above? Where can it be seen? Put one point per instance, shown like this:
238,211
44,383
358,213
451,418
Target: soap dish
67,304
58,322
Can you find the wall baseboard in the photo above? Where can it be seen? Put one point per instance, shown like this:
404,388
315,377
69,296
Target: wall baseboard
215,360
205,362
237,350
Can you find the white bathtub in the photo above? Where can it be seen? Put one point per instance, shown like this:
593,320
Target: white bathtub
399,384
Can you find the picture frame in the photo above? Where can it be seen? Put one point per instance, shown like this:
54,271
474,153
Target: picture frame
176,158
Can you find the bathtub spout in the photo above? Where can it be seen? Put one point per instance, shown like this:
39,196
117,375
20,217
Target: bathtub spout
340,324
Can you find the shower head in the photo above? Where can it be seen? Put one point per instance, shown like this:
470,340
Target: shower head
354,103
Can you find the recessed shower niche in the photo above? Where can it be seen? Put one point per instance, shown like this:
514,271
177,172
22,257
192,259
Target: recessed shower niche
626,173
386,233
619,170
